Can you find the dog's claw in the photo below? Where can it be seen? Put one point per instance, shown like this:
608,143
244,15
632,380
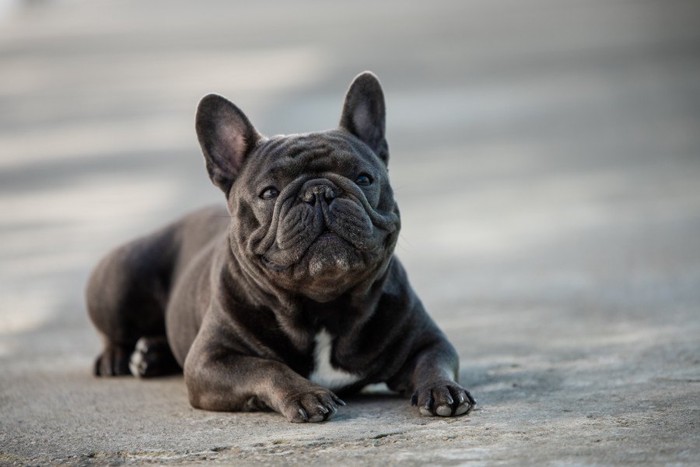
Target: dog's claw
338,400
304,415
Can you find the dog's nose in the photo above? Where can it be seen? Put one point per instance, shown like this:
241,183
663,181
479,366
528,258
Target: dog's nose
318,191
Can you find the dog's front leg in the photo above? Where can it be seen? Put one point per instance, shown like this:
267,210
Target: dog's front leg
218,379
431,379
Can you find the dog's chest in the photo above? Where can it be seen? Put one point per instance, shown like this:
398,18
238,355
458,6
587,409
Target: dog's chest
324,373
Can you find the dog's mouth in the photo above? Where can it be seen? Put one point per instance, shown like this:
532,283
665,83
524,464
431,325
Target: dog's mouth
272,266
328,254
327,236
330,266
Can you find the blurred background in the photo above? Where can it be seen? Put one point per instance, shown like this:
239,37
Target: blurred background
545,156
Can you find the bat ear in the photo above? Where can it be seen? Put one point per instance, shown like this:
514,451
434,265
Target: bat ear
226,137
364,113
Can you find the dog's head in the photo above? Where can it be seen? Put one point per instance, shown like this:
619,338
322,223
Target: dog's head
312,214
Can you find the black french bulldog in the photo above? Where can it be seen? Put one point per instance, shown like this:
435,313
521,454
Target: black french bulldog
292,293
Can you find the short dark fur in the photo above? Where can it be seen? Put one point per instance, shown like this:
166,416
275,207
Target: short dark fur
237,297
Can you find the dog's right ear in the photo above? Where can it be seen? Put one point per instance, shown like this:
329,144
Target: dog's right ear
226,137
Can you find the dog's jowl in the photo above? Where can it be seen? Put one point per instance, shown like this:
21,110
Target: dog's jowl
290,295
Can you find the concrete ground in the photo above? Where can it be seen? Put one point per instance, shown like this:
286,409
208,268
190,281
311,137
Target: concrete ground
546,157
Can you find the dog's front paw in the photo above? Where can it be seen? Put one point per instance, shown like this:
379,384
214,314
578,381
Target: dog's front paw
443,398
314,405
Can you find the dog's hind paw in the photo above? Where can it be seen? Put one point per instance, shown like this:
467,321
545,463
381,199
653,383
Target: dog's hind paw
113,361
152,357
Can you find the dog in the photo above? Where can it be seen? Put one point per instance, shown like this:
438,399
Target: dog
290,296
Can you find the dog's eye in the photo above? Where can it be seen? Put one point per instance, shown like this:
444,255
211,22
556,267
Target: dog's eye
363,180
269,193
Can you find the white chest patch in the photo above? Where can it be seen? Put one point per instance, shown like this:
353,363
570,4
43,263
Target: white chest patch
324,373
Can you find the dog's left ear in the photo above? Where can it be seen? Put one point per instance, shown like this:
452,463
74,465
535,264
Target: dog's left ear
364,113
226,137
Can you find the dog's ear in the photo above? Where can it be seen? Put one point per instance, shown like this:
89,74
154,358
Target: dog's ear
364,113
226,137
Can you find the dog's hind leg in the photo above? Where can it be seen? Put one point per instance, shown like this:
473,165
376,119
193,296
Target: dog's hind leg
126,298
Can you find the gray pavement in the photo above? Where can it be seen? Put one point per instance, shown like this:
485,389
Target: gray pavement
546,158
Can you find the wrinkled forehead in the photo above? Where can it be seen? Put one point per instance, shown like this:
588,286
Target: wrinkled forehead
313,153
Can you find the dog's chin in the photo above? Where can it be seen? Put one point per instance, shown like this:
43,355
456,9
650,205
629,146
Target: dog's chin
329,267
331,258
